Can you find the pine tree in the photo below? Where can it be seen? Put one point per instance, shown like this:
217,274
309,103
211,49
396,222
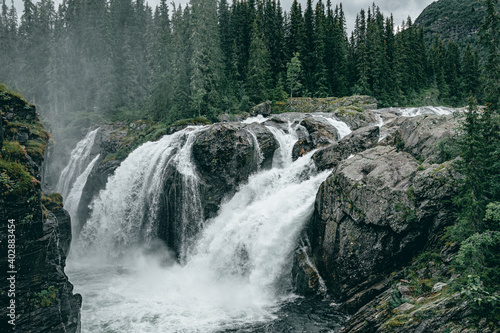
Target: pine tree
259,69
490,39
206,61
293,74
308,50
470,73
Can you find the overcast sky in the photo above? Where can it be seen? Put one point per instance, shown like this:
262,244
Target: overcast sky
399,8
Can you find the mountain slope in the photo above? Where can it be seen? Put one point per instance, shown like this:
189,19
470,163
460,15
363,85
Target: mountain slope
457,20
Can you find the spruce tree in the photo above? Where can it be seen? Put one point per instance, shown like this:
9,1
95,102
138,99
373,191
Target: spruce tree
206,61
293,74
259,69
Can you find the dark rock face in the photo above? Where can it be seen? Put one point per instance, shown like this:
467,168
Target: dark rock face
225,156
319,134
44,299
373,211
263,109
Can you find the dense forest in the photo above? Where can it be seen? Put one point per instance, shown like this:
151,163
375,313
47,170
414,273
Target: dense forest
116,57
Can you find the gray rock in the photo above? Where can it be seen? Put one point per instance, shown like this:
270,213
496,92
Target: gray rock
404,307
438,287
358,141
319,134
404,290
263,109
372,214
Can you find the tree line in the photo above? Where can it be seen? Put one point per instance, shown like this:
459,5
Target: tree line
210,57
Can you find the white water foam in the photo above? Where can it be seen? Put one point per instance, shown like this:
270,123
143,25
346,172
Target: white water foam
257,119
125,213
238,272
426,110
283,155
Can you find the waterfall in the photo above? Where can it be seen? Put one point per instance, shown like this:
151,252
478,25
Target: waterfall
125,214
236,272
72,201
283,155
341,127
80,157
259,156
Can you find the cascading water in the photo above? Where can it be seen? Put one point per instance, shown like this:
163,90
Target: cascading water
286,140
126,213
237,275
341,127
80,157
72,201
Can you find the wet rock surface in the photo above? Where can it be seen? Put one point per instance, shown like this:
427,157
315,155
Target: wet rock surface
44,299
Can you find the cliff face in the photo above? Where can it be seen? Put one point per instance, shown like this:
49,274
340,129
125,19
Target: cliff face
35,230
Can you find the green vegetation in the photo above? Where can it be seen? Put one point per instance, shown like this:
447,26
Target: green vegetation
46,297
55,198
15,179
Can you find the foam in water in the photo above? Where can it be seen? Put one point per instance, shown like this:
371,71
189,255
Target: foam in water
436,110
238,271
77,163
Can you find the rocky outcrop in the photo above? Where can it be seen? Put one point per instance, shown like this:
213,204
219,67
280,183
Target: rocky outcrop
353,110
226,154
374,210
319,134
263,109
421,136
382,203
44,299
358,141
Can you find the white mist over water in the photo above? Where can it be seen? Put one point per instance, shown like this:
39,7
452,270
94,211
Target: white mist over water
238,272
78,161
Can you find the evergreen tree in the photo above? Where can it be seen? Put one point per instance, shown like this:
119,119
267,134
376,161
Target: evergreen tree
308,50
259,69
490,39
206,61
470,73
293,74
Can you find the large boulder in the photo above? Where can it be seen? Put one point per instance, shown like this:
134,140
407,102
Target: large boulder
421,136
226,154
372,212
319,134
